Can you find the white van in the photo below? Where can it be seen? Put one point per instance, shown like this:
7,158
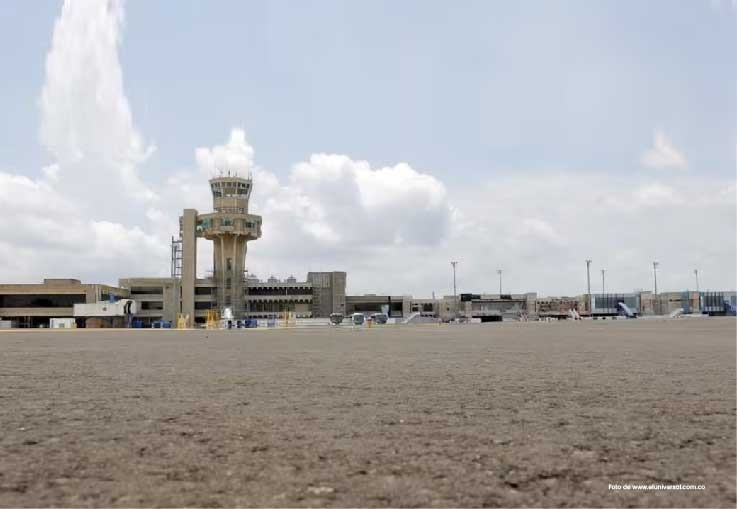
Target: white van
358,318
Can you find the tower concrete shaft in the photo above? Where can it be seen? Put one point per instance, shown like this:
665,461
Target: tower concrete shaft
188,236
230,227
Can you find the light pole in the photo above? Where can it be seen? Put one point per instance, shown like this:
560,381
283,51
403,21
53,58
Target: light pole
602,283
655,280
499,271
696,273
698,294
588,283
455,298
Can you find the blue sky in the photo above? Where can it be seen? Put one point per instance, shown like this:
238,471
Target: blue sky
485,97
477,88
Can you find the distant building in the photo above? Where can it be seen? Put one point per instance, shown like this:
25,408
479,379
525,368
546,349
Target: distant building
716,303
710,302
158,297
607,304
647,303
496,307
556,307
668,302
426,307
395,306
328,293
264,299
33,305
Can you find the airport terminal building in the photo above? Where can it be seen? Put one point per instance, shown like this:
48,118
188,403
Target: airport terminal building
319,295
33,305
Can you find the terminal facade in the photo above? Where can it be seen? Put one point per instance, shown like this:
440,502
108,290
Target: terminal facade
323,293
317,296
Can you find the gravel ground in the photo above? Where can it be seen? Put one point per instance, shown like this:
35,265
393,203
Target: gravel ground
509,414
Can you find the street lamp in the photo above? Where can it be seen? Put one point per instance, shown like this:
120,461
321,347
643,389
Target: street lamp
588,282
499,271
602,282
698,294
655,280
696,273
455,298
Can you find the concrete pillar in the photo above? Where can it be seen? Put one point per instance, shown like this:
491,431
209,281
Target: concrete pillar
406,306
189,262
171,300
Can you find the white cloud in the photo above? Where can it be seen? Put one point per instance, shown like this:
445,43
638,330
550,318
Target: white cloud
234,157
347,201
86,121
663,154
51,236
538,228
51,172
75,219
655,195
328,211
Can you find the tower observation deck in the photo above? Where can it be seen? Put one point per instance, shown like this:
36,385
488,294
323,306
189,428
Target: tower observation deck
230,227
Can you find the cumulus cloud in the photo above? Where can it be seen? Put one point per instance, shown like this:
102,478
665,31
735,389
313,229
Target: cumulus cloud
328,212
342,201
75,220
86,120
235,157
541,228
538,228
51,237
663,154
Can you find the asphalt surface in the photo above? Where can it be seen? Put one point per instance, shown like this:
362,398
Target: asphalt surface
504,414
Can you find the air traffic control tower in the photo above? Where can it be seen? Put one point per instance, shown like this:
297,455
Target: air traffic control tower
230,227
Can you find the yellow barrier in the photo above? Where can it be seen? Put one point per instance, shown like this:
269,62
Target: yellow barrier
213,319
182,321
